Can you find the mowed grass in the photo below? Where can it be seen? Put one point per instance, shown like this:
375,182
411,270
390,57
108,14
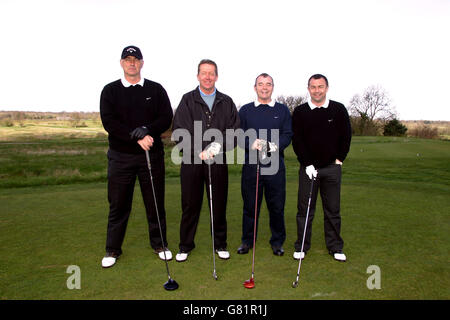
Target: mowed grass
395,211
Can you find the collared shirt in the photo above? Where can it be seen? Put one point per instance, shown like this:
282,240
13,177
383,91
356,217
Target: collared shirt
127,84
208,98
270,104
313,106
207,95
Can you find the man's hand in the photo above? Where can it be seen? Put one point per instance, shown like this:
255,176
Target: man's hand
139,133
146,143
210,151
263,145
311,171
339,162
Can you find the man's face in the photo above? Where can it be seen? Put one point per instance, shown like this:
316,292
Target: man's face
207,77
131,66
264,88
318,91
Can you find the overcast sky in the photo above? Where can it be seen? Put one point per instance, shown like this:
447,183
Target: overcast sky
58,55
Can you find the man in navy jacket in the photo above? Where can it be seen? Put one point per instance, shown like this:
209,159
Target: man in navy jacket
267,127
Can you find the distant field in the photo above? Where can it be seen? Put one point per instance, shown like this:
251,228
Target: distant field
442,127
15,126
49,126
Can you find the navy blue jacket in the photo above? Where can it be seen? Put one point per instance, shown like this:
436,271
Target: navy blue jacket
267,117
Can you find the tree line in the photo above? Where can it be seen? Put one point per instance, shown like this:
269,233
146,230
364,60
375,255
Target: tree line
371,113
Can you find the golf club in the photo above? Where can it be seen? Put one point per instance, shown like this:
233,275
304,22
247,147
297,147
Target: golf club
295,283
250,283
212,217
170,284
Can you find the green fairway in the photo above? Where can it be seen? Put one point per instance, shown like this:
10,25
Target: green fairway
395,215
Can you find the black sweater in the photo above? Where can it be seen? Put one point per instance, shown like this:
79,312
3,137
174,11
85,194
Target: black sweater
124,109
321,135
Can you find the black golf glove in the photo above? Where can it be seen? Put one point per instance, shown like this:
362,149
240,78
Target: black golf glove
139,133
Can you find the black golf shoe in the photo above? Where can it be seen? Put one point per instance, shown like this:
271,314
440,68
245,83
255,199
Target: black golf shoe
243,249
278,250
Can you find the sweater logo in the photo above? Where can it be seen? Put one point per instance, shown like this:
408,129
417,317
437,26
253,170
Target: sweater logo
148,98
330,120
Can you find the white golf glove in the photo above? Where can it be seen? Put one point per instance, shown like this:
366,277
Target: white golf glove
211,151
311,171
264,147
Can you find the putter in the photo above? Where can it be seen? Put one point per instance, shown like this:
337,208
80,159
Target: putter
250,283
171,284
295,283
208,161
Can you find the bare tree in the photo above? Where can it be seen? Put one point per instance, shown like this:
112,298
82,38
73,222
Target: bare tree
373,104
291,101
371,111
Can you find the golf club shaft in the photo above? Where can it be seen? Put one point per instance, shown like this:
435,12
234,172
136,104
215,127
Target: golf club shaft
304,229
157,212
212,217
256,213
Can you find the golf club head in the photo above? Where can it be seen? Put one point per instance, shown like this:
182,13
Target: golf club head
249,284
171,285
215,276
295,284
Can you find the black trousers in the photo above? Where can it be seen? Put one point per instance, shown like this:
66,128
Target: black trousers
194,178
328,183
123,169
274,189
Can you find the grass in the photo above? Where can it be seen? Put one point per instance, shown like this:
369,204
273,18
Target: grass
395,209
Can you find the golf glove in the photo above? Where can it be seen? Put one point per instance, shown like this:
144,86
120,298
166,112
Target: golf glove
264,146
311,171
212,150
139,133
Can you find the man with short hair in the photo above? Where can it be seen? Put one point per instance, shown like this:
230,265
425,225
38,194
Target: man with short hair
264,114
135,112
321,141
212,110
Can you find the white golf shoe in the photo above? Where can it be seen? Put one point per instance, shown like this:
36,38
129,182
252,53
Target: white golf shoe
164,254
223,254
299,255
109,259
181,256
339,256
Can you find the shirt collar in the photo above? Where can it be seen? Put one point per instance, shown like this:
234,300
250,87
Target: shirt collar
127,84
270,104
206,95
313,106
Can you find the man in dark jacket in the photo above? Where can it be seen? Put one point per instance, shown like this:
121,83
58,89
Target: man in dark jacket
202,114
135,112
321,141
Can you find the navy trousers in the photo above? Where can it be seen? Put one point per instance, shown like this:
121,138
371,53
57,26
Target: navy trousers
273,187
123,169
328,183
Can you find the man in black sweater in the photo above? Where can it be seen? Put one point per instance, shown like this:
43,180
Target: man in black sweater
135,112
321,141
